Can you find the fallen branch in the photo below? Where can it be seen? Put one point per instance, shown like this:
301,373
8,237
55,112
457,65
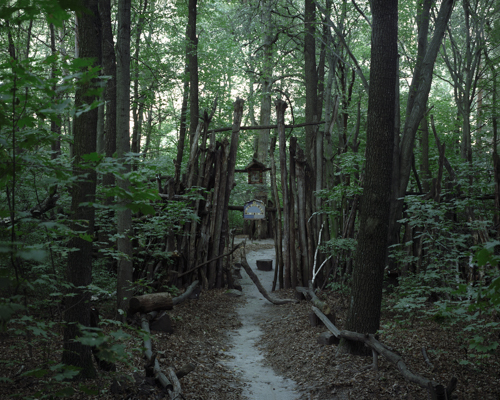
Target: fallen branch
148,353
329,324
209,261
324,307
426,358
263,291
185,295
435,390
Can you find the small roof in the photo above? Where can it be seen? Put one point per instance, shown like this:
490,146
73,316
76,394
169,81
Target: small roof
254,164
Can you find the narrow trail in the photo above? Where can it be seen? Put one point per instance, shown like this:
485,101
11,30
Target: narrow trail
262,383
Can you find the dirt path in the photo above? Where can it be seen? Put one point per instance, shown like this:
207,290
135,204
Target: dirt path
261,382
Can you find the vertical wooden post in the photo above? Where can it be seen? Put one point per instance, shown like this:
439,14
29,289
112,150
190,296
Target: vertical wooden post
293,195
231,163
278,240
301,218
280,112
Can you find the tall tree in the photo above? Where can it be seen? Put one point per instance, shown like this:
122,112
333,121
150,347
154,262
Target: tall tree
417,100
124,214
80,261
311,79
364,312
108,69
192,60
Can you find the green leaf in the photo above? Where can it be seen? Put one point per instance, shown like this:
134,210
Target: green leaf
147,209
94,157
86,237
37,255
87,390
66,392
36,373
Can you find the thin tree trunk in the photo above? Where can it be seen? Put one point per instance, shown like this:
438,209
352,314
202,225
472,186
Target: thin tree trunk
54,126
183,123
293,196
300,163
109,69
280,116
124,215
278,227
193,68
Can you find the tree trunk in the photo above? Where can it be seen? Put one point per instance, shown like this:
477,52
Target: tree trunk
109,69
192,61
417,100
292,214
80,261
311,79
300,163
278,225
183,123
280,113
364,312
124,228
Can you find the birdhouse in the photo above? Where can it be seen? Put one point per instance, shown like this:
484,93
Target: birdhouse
255,172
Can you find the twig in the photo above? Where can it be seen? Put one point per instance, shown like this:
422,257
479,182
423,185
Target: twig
426,358
209,261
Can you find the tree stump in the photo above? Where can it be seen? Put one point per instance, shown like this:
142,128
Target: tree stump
162,324
265,265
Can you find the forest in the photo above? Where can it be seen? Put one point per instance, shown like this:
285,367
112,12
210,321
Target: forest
133,134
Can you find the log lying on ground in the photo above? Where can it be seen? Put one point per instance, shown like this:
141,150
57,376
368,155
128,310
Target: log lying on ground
255,279
185,295
435,391
151,302
324,307
148,353
170,381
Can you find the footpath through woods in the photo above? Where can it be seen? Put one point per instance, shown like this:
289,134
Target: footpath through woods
260,381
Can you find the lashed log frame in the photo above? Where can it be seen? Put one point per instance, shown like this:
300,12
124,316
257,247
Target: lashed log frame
256,281
434,390
217,208
231,164
261,127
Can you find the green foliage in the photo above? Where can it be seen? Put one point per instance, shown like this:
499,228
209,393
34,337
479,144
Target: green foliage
466,306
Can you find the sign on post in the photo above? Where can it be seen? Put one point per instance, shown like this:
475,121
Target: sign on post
254,209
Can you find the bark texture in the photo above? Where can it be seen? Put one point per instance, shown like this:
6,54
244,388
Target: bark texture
364,312
125,267
80,261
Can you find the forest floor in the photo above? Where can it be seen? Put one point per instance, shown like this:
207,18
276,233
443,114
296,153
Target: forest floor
207,333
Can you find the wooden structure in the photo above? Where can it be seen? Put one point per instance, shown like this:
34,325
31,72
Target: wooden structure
255,171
